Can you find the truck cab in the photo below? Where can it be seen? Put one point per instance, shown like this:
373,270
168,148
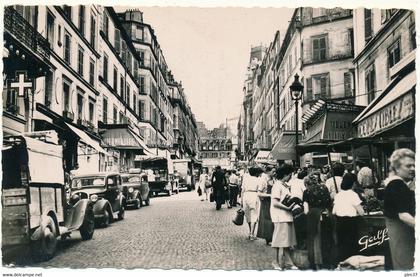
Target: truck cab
35,208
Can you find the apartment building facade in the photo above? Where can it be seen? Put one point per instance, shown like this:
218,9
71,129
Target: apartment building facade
77,70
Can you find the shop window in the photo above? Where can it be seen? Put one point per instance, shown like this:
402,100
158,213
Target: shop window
394,54
370,80
319,48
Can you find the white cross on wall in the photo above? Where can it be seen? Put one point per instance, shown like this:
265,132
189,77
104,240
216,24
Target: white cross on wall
21,85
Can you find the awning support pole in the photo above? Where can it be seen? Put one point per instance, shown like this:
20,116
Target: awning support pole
329,157
372,166
353,154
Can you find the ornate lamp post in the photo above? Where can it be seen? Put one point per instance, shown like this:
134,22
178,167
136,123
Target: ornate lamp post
296,90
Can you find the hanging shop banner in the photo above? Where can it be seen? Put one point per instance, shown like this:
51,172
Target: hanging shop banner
339,126
391,115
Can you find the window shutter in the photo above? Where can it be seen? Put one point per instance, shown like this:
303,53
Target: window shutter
309,93
323,87
123,51
322,48
347,84
135,69
117,41
315,49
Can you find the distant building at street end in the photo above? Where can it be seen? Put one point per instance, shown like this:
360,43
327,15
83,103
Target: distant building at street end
215,146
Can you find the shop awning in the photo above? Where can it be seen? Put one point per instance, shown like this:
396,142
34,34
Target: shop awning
86,139
322,147
124,138
285,148
392,108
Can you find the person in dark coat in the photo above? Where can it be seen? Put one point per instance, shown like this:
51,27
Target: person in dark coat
218,182
400,209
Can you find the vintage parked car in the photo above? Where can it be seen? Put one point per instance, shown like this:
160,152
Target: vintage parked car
104,189
35,210
135,188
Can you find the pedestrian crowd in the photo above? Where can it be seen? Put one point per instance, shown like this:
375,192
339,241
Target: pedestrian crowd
316,210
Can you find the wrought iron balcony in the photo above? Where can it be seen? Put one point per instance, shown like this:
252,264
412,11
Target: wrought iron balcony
25,33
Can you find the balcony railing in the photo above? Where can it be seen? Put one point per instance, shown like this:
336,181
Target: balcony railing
19,27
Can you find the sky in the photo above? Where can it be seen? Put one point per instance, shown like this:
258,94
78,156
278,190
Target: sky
208,50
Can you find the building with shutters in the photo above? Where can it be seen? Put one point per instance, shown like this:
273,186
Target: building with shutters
327,66
245,123
385,56
81,71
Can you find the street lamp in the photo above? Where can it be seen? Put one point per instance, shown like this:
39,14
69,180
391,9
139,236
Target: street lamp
296,90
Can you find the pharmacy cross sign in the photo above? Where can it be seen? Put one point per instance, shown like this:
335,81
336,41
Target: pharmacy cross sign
22,84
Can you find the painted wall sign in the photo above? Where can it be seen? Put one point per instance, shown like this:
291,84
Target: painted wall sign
389,116
377,239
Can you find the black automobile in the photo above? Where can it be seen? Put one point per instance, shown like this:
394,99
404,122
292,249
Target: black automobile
135,188
105,191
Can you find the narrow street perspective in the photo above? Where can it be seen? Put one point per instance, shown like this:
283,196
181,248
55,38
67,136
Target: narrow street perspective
201,137
177,232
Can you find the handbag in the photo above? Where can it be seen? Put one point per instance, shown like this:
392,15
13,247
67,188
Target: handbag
211,197
239,218
199,191
208,184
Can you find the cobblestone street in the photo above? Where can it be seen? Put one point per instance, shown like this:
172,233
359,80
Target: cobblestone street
173,232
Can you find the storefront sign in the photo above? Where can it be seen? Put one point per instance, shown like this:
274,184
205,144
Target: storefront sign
336,127
339,126
121,141
389,116
379,238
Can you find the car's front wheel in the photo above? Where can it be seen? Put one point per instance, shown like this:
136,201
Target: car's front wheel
107,219
88,227
138,203
121,213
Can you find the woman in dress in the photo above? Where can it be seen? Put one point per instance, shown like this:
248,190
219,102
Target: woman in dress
347,208
284,235
265,225
202,184
316,199
251,186
400,209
